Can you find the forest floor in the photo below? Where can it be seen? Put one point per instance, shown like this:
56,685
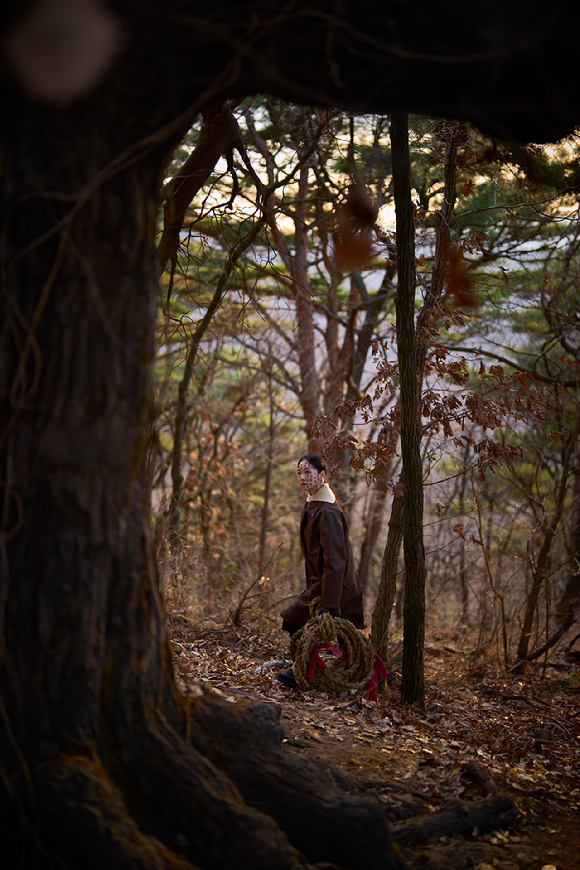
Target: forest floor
523,732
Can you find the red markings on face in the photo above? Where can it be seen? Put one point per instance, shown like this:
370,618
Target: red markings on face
309,478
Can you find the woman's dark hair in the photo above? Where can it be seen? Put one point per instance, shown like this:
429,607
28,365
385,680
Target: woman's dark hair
315,461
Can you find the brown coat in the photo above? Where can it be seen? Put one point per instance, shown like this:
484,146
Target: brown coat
328,565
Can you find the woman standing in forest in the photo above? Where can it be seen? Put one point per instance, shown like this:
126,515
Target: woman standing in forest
328,559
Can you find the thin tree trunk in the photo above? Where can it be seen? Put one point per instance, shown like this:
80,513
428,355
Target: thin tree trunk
444,222
309,396
413,678
388,585
570,597
374,525
387,588
183,387
297,264
463,584
268,480
540,567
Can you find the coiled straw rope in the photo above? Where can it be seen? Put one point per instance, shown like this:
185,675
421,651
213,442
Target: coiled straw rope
332,655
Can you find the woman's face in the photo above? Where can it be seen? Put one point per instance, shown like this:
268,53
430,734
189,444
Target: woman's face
309,478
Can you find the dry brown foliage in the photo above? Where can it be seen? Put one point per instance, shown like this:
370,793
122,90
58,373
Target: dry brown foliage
483,736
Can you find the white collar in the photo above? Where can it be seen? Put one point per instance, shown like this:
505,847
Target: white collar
324,494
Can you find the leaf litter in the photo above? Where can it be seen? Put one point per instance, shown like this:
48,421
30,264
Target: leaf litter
523,732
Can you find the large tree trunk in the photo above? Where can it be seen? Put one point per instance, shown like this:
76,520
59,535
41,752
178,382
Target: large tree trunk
103,763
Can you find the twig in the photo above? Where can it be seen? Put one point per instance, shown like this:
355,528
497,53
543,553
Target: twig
503,697
570,620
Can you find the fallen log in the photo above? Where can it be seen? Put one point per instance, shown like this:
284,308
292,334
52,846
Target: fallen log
456,818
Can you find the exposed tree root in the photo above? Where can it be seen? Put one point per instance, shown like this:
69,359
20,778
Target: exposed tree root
224,794
166,817
457,818
84,822
303,797
183,799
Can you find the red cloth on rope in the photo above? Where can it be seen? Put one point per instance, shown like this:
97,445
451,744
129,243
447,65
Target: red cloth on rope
316,660
379,672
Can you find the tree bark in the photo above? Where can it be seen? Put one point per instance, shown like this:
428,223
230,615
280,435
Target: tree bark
570,595
413,678
269,457
388,585
101,756
458,819
420,338
374,524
